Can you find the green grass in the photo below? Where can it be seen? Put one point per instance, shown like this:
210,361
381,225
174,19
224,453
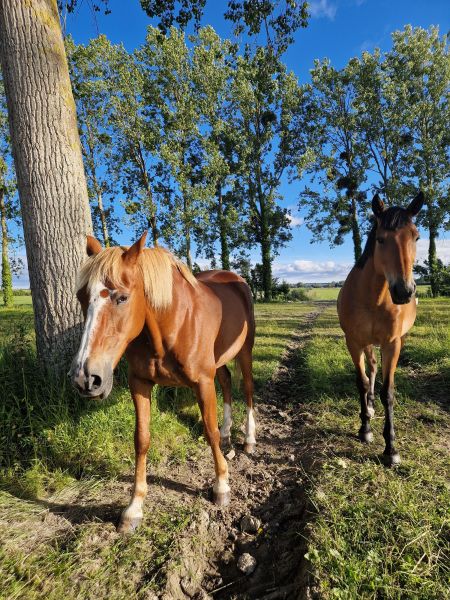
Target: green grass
58,450
374,533
317,294
378,532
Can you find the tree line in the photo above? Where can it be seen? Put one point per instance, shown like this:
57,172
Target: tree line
196,134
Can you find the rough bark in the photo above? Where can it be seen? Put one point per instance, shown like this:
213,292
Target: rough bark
356,234
224,247
49,168
7,291
266,258
432,261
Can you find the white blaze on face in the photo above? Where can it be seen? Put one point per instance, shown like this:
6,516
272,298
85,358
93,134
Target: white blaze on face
96,304
227,422
250,428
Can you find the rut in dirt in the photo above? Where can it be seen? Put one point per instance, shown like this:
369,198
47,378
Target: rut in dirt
270,486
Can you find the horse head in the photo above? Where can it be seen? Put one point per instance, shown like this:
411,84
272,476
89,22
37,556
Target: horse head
395,246
112,299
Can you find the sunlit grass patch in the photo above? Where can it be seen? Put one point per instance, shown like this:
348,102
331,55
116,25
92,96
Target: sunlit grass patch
379,532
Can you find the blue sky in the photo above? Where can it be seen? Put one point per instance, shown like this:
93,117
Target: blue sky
338,29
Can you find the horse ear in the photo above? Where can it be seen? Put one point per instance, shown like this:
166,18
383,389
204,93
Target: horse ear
130,256
377,205
93,246
416,204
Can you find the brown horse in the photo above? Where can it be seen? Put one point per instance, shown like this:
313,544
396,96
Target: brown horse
376,306
175,330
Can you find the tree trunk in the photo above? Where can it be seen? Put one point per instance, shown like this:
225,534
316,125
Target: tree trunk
432,261
187,232
7,291
266,258
356,234
103,219
49,168
224,248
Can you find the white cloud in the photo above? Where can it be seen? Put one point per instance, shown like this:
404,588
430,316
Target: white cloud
322,8
296,220
311,270
442,249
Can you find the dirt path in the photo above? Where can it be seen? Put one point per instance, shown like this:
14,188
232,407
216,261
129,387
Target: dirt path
268,486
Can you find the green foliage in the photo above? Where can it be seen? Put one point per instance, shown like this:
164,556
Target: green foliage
7,290
382,113
91,73
299,294
9,206
264,103
336,157
441,277
170,13
279,20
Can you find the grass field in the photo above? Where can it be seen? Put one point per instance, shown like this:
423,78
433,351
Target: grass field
318,294
377,532
373,532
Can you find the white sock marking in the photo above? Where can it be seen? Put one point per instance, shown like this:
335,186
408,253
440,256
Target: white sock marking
221,486
250,428
227,422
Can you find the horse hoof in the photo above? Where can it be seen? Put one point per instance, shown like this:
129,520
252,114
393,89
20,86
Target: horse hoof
221,498
249,448
225,442
392,460
366,436
127,526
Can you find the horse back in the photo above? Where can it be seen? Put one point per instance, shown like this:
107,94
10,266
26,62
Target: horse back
237,320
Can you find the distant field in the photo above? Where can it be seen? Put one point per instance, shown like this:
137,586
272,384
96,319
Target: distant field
313,294
332,293
19,300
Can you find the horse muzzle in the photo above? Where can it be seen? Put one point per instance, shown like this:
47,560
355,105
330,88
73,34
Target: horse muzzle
402,291
91,382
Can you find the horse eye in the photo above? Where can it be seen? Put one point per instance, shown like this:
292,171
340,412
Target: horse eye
121,299
380,240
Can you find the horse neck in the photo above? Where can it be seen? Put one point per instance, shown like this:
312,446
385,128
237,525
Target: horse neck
162,324
374,282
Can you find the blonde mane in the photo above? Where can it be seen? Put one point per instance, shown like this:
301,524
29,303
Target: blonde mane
154,264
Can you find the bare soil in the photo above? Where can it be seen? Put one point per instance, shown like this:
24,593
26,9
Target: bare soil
270,486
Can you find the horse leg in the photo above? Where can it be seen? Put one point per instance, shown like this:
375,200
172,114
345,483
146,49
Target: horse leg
224,377
389,352
206,396
369,351
141,392
362,382
245,362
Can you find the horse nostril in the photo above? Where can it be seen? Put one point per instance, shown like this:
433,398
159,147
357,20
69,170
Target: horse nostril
97,382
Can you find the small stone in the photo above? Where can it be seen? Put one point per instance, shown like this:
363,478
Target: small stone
250,524
189,587
292,458
246,563
231,454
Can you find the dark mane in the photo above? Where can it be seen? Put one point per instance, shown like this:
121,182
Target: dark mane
391,219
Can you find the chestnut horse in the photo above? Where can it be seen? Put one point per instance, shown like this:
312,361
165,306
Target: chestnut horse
175,330
376,306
